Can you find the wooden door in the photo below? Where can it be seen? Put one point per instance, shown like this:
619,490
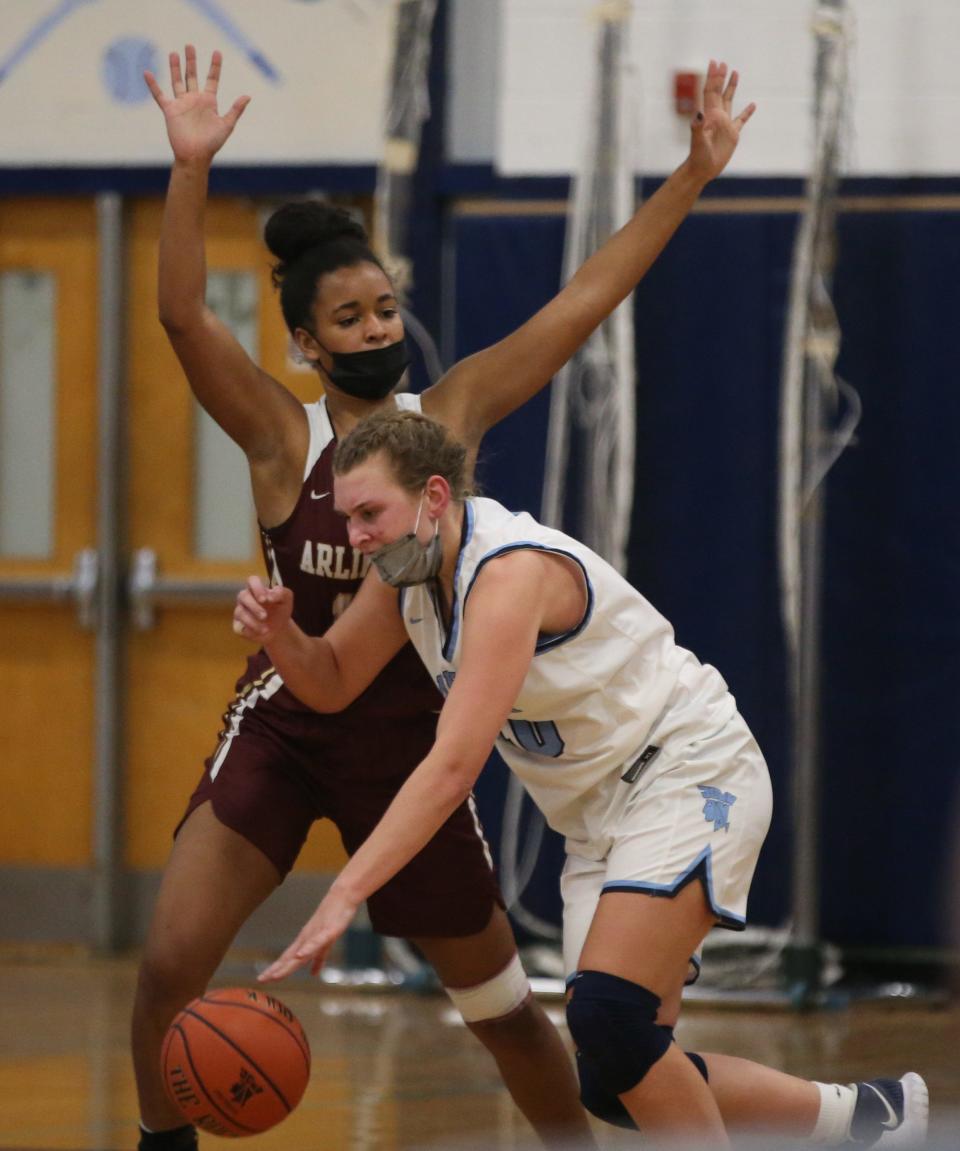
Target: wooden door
181,672
48,498
178,674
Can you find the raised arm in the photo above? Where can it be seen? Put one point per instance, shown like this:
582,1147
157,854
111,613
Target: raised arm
255,410
325,672
507,600
485,387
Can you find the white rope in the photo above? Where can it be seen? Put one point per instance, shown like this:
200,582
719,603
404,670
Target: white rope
812,338
408,107
592,396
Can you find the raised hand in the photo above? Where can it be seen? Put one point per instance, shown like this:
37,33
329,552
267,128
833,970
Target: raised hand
195,128
714,130
261,612
312,945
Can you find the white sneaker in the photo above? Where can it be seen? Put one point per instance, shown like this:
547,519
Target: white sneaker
911,1130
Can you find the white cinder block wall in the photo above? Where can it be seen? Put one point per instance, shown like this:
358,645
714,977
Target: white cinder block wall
520,75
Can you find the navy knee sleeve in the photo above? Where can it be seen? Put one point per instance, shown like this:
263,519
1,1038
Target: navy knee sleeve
598,1100
603,1103
700,1063
697,1060
613,1023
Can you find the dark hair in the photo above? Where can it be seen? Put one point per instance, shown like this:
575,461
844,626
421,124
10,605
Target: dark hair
309,239
416,447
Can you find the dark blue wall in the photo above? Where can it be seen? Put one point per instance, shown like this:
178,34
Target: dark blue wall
709,322
891,647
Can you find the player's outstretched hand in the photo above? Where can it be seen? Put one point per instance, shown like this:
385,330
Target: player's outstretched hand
714,130
195,128
261,612
312,945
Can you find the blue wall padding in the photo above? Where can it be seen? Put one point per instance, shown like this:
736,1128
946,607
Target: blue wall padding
709,328
891,644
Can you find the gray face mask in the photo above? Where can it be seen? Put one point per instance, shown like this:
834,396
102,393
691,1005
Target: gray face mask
407,562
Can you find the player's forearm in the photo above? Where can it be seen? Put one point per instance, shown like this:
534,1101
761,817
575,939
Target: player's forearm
182,257
308,668
612,272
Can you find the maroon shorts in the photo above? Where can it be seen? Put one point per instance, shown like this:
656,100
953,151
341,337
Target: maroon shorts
282,769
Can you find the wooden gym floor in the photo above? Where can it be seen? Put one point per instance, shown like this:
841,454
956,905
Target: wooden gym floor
392,1071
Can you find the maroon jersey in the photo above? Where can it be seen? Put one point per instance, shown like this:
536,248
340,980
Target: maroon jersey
278,766
311,554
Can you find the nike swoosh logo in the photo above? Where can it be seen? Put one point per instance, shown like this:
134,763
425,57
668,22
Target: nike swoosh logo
892,1122
419,619
319,495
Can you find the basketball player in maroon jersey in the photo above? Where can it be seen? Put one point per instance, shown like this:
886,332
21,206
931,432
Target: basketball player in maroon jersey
279,766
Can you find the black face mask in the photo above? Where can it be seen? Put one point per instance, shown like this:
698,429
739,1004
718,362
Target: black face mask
370,375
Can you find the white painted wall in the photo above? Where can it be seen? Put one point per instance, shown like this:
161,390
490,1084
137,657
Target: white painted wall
71,88
474,68
531,59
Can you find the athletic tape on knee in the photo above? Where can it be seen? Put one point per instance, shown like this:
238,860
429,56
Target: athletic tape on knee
613,1023
498,997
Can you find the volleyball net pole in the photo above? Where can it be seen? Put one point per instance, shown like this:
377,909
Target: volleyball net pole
592,423
408,108
368,960
819,414
812,437
589,462
592,419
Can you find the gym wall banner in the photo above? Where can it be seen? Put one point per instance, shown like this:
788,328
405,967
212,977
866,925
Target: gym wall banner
72,90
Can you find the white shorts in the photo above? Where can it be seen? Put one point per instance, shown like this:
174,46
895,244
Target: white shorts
699,811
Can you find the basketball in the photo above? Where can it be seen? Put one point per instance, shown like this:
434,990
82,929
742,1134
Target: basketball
235,1062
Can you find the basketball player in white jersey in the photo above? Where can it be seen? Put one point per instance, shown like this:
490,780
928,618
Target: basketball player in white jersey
631,747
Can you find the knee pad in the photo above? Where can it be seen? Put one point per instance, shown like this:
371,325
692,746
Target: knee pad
697,1060
603,1103
598,1100
495,999
614,1025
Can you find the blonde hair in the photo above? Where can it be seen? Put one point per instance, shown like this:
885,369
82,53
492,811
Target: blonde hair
415,446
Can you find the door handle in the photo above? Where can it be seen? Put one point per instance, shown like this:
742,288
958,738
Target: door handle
79,588
147,590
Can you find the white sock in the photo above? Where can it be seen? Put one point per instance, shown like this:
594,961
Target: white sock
836,1112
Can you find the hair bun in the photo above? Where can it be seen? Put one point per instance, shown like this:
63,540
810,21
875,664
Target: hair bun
300,225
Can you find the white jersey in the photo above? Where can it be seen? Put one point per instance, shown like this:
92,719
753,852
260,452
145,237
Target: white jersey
597,700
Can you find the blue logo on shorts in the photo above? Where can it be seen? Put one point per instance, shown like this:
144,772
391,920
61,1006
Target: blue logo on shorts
717,807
